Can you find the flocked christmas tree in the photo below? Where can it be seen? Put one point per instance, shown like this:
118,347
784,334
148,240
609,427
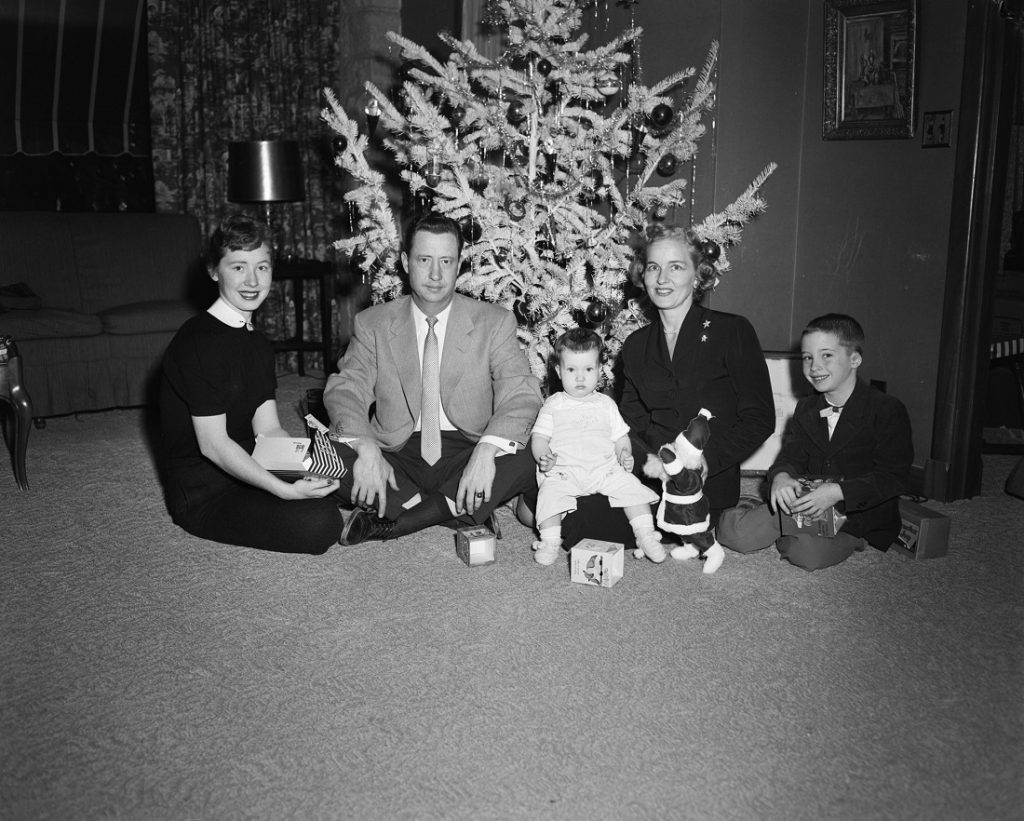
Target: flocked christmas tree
552,158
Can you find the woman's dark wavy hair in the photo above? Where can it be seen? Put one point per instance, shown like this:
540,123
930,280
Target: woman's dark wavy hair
235,233
703,254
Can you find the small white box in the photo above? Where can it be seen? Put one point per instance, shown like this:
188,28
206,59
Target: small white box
475,545
595,562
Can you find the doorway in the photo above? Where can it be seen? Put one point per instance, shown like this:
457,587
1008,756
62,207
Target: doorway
993,48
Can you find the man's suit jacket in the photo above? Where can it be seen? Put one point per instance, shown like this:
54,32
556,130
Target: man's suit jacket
487,387
871,449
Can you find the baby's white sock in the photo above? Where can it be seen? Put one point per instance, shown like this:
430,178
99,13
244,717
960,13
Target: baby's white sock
644,523
553,535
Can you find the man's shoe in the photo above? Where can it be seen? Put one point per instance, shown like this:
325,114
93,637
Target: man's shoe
365,526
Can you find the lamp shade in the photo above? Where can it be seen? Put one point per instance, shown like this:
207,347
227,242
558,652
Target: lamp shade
265,171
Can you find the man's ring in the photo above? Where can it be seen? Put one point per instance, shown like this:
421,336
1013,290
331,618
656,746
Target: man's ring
479,494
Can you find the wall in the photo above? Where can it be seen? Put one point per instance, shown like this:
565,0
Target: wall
859,226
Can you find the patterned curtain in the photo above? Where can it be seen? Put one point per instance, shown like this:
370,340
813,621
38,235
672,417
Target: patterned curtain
226,70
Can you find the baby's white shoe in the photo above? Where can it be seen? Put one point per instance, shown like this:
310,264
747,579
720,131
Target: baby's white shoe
547,552
649,544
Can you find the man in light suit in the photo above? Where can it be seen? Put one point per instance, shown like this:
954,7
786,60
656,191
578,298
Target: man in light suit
489,399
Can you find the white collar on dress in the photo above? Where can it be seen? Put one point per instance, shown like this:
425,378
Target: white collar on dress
228,315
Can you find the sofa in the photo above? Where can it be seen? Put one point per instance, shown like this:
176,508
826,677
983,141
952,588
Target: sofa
97,299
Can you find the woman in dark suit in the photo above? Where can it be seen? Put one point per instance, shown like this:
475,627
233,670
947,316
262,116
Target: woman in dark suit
689,357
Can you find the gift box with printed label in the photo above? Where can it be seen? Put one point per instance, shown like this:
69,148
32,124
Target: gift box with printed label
475,545
596,563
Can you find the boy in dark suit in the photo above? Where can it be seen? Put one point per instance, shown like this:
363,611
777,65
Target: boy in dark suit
849,431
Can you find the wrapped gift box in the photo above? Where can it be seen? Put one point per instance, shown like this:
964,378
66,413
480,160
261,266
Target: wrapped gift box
596,563
924,533
475,545
828,524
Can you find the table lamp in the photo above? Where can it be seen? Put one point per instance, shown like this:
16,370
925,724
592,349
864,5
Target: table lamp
264,172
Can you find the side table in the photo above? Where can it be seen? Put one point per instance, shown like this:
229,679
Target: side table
13,392
299,271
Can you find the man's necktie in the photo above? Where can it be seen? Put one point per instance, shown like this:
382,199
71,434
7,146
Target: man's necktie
430,407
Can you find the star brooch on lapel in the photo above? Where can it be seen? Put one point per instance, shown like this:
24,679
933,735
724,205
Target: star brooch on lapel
707,324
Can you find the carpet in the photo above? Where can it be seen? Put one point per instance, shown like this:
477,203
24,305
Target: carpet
148,674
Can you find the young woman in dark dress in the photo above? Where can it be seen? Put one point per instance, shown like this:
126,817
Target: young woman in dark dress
217,395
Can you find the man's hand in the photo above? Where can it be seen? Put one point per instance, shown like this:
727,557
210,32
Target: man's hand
477,479
371,476
815,503
785,492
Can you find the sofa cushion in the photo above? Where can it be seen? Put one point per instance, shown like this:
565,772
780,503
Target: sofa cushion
37,250
49,323
126,258
146,317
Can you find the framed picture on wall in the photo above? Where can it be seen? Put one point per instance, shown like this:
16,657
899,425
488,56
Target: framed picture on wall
870,69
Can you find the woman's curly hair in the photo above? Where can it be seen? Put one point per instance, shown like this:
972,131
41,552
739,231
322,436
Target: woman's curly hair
236,232
703,254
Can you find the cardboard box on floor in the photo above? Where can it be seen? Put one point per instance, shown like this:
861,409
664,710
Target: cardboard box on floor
475,545
596,563
924,533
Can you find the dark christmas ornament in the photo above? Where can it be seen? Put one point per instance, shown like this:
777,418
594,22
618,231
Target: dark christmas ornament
668,165
479,181
471,230
515,208
544,67
710,251
458,115
661,115
339,143
516,112
608,84
597,312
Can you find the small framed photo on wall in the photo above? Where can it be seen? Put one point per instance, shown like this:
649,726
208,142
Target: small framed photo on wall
870,69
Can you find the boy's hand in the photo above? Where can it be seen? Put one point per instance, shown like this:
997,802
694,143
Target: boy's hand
547,460
785,491
815,503
626,460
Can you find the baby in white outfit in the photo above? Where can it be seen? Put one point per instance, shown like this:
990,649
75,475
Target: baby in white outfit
581,444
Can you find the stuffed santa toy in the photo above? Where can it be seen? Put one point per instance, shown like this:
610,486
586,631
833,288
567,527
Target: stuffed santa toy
684,510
